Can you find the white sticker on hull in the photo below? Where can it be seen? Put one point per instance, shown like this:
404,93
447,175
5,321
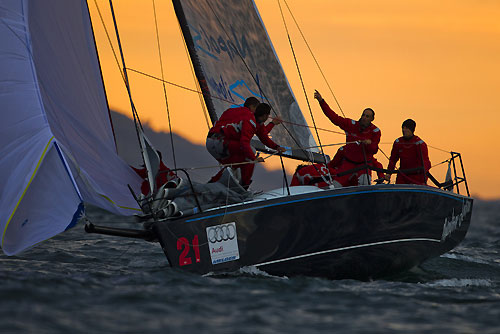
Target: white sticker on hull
455,221
223,243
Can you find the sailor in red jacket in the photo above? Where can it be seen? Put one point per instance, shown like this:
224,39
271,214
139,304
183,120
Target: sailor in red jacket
164,175
338,159
318,174
311,175
228,141
362,139
412,153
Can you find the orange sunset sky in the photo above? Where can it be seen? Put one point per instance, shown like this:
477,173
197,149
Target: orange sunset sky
437,62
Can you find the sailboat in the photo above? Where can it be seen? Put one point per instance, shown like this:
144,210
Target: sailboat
58,153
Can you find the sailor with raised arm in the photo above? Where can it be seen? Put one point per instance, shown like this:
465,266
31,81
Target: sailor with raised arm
362,138
228,141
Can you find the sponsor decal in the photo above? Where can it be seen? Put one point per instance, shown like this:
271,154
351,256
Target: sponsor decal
451,224
223,243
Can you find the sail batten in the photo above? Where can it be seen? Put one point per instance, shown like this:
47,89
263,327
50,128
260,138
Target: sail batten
234,58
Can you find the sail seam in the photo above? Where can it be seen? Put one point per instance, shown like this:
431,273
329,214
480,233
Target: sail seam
27,186
33,68
120,206
66,167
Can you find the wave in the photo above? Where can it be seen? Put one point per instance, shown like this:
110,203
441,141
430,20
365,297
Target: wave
245,271
460,282
464,258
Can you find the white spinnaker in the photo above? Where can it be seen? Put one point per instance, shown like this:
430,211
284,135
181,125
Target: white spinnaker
56,144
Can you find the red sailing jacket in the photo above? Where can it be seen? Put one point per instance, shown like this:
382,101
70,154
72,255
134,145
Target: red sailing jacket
164,175
354,152
238,124
339,157
411,153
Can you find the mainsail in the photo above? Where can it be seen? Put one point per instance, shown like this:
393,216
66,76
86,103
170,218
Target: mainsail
234,58
57,147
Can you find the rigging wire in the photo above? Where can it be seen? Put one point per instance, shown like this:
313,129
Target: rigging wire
304,88
440,163
125,76
254,162
134,112
198,91
116,60
433,147
383,153
439,149
229,165
110,43
222,99
250,71
137,121
202,103
164,86
241,163
314,57
335,144
323,75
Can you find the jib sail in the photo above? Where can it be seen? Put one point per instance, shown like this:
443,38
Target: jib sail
57,148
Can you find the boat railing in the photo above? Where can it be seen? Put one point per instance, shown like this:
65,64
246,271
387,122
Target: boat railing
462,178
455,166
190,185
146,203
453,182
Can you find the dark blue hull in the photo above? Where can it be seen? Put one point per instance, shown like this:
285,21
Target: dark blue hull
359,232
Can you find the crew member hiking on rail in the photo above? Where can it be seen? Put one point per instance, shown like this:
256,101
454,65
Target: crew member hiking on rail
362,138
163,175
228,141
413,156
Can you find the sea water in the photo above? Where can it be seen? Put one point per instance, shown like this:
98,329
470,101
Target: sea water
87,283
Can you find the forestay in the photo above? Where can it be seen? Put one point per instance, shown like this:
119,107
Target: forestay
234,58
57,148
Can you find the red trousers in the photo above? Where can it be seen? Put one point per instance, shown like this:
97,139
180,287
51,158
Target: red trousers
235,155
359,177
411,179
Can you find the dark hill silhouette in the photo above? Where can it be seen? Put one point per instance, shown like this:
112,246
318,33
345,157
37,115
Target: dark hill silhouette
187,154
